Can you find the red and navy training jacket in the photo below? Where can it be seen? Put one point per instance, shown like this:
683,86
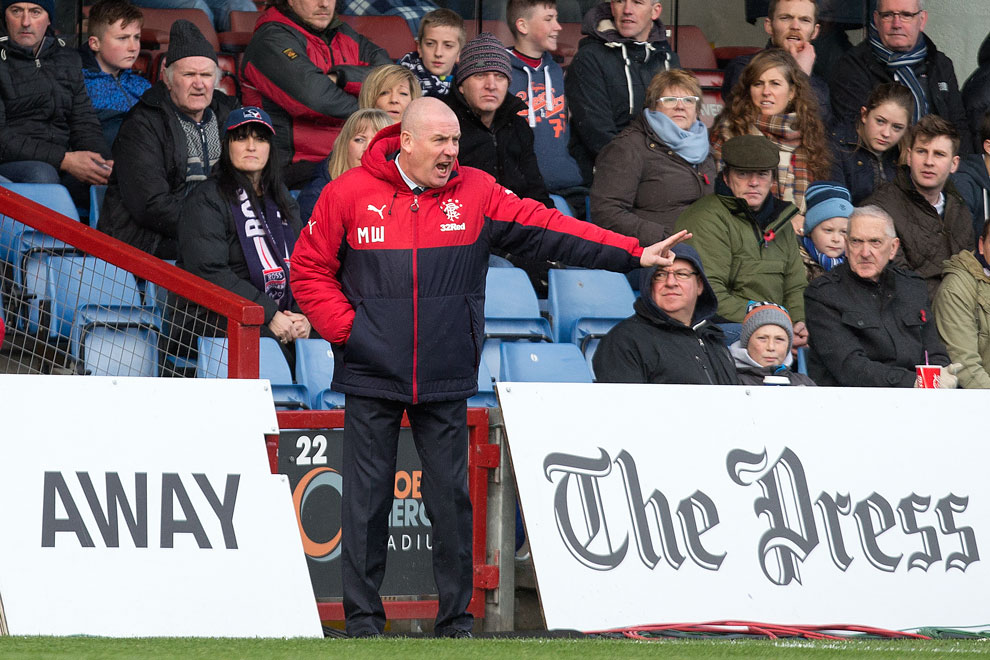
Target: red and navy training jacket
285,71
396,280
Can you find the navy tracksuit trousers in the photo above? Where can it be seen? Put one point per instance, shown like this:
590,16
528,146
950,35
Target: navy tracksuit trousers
371,433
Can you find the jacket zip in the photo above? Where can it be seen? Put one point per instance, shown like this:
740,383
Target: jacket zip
415,298
702,364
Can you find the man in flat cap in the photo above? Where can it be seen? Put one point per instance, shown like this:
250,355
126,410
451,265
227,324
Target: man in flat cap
745,237
169,142
48,130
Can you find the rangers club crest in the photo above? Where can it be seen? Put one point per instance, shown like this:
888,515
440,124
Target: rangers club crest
452,209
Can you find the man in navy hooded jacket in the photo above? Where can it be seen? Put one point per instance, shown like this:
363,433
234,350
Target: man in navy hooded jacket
671,338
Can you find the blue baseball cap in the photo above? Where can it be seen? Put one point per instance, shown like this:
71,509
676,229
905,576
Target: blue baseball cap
248,115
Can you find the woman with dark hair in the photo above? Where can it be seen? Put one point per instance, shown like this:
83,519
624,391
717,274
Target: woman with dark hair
867,153
239,226
773,98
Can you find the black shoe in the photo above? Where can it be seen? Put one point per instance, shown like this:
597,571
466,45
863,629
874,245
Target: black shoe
455,633
365,634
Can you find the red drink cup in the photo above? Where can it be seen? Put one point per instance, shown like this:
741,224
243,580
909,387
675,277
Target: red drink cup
928,376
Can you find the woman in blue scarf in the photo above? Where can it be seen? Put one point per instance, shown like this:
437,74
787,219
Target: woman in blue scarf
658,165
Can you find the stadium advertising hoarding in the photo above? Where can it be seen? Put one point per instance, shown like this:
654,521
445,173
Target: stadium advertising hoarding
312,459
660,504
146,507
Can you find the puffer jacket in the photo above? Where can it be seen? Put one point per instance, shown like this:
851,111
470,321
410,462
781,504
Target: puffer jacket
285,69
962,314
606,82
870,334
926,239
396,279
743,262
652,347
976,94
148,182
751,372
859,72
504,150
861,170
111,96
972,182
641,185
45,111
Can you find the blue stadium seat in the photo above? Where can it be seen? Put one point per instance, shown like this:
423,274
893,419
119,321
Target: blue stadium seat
22,247
495,261
115,341
314,369
211,362
272,365
586,303
802,361
211,357
561,204
543,363
512,313
96,195
89,284
485,398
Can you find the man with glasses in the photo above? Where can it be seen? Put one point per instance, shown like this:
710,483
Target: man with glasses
671,337
897,50
871,320
745,238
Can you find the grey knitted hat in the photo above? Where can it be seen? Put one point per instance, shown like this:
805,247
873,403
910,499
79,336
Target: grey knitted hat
759,314
185,40
482,54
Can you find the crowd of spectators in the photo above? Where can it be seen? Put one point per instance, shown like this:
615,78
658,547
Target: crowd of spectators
837,213
767,193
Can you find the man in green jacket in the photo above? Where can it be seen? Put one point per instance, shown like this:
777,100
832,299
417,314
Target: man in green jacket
745,238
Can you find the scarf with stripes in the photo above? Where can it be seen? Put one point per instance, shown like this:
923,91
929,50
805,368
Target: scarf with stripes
901,65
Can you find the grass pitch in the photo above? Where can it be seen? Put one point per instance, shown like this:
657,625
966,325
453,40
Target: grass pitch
86,648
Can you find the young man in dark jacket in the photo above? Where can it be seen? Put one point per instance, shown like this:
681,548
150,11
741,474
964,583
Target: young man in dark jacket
791,25
626,44
391,270
933,221
897,50
304,67
976,93
168,143
671,338
972,179
49,132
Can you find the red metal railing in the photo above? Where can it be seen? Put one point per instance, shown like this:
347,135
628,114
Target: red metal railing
244,317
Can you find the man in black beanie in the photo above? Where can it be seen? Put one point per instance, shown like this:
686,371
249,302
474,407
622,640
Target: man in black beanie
168,142
50,133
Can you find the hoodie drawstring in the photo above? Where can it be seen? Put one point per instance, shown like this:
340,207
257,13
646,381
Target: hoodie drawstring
625,59
547,93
